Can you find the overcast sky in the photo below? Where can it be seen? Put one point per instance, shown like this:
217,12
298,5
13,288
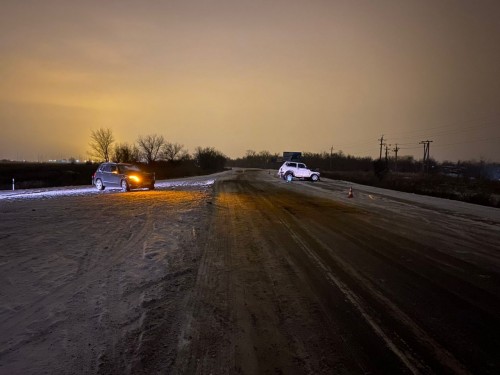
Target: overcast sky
252,75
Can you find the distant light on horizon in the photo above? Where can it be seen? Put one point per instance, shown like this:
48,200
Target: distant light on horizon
237,76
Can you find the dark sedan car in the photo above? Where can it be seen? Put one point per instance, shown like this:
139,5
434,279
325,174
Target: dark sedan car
123,176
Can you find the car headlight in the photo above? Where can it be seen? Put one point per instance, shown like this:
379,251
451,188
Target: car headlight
134,178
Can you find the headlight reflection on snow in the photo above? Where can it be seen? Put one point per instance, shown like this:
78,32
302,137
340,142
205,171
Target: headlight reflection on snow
51,193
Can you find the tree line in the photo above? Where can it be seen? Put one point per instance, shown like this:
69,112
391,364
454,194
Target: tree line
323,161
153,150
340,162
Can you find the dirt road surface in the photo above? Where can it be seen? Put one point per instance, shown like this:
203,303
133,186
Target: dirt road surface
247,274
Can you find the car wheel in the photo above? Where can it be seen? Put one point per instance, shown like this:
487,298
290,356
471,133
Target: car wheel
314,178
98,184
289,177
125,186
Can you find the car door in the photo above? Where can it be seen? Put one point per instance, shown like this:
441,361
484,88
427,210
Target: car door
115,177
108,177
292,167
302,170
106,174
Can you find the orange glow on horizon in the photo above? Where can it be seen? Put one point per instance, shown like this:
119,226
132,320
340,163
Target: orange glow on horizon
240,76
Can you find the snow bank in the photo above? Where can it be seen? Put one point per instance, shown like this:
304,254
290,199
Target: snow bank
50,193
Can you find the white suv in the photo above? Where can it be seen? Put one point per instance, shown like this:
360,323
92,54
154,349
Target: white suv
291,169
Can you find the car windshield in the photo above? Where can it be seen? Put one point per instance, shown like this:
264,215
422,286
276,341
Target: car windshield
128,168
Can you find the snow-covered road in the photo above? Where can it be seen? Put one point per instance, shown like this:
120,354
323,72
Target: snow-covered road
244,272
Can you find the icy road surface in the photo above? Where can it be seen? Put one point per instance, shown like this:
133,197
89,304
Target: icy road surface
241,272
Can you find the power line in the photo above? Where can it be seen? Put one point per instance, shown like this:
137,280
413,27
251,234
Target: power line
453,132
410,146
490,121
486,140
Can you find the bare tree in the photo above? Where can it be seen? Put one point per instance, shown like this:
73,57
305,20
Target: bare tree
173,151
126,153
150,146
100,144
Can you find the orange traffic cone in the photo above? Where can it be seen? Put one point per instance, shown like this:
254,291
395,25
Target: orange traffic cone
350,195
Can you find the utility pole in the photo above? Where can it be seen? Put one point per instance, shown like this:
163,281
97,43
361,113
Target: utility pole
331,156
381,144
396,149
427,145
386,151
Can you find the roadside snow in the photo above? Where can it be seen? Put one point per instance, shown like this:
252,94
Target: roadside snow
176,183
48,193
377,196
